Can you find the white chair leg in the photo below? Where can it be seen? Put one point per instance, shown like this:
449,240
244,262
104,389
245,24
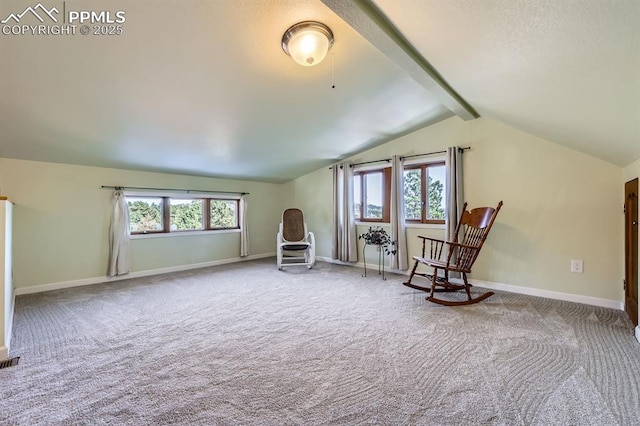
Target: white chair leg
312,250
278,252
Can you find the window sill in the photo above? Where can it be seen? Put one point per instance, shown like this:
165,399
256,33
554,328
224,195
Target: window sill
182,234
372,224
425,225
406,225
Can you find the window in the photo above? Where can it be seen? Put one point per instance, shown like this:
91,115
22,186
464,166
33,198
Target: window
145,215
371,190
186,215
149,215
424,193
223,214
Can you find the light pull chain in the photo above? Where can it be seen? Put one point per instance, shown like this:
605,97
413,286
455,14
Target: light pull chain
333,72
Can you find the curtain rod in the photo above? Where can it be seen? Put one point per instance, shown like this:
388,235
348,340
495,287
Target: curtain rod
172,189
433,153
384,160
366,162
406,156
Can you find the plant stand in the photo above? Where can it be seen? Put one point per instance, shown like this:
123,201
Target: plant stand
380,261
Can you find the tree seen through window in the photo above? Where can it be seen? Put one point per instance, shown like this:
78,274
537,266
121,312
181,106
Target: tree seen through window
418,206
149,214
145,214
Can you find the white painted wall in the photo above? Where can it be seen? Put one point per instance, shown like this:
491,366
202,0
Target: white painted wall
61,220
6,283
558,205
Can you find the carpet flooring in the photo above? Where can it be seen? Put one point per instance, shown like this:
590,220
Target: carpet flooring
248,344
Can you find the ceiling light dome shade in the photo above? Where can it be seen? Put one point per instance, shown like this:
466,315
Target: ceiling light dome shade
307,42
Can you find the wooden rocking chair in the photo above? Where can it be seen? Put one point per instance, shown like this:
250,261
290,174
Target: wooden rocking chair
475,226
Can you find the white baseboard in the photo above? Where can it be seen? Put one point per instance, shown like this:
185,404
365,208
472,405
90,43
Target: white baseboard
370,266
4,353
638,333
97,280
596,301
337,262
549,294
588,300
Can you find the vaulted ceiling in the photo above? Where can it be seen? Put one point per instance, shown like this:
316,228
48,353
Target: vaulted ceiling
203,87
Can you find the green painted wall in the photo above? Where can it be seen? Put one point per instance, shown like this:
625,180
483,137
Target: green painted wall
559,205
61,221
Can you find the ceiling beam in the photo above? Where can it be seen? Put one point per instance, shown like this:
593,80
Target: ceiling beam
368,20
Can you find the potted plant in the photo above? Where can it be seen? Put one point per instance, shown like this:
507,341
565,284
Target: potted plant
379,237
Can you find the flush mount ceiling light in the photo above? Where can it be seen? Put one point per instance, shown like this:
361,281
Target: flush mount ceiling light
307,42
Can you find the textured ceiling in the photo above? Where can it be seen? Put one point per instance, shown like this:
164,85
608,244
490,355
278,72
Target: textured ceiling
564,70
203,87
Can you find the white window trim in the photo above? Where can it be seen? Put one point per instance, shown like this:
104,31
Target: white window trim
181,233
370,167
424,225
358,223
181,195
406,224
418,161
411,162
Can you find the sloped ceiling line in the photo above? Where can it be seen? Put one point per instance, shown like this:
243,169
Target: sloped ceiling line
368,20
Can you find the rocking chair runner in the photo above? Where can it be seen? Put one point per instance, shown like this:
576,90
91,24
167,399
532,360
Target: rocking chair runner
475,226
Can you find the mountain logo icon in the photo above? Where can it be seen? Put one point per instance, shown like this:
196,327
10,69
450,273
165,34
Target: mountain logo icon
38,11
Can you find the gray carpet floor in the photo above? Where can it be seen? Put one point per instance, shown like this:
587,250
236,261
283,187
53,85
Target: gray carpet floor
247,344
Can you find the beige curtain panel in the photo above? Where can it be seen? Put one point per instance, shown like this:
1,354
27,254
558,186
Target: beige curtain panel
119,263
344,244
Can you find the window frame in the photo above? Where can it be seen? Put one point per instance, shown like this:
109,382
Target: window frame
208,218
423,167
386,194
204,203
165,222
166,213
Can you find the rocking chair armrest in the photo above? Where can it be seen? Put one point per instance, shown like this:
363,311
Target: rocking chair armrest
451,243
435,240
434,250
311,238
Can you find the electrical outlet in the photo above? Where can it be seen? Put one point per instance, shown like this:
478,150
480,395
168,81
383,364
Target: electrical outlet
576,265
